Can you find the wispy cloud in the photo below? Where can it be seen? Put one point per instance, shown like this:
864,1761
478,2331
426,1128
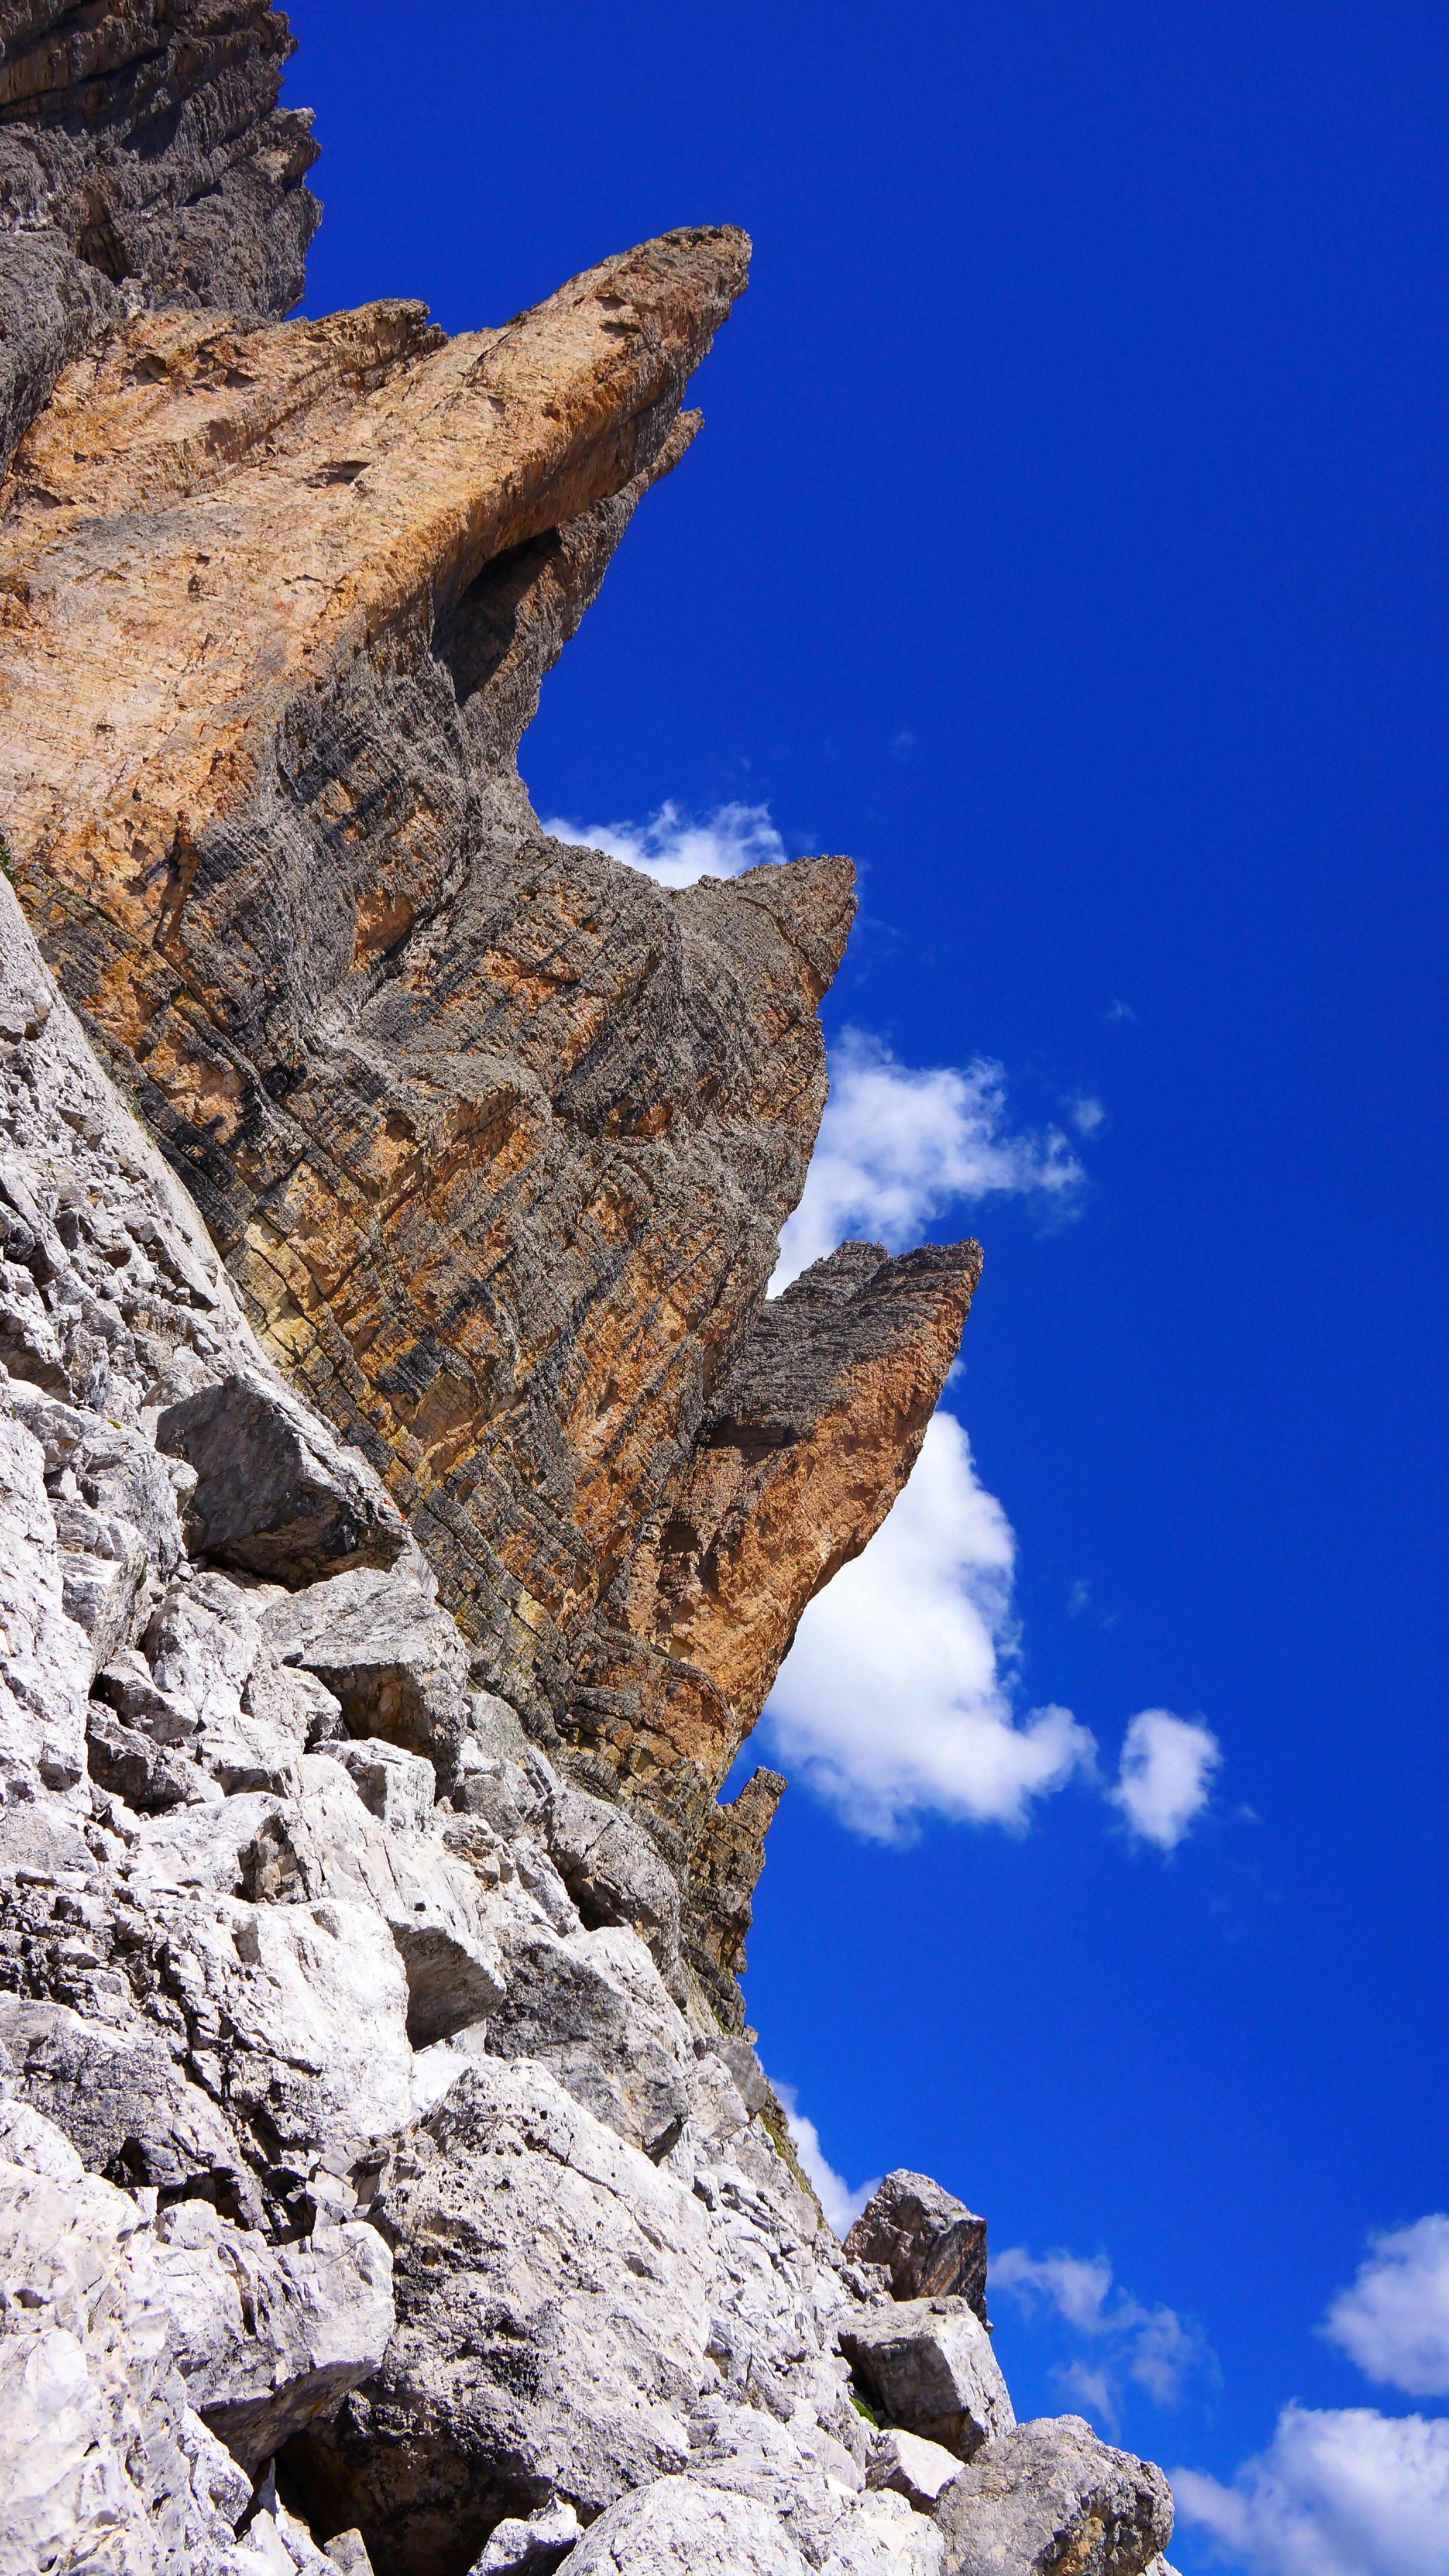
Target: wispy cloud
893,1701
1394,2321
1340,2491
676,848
1120,1011
1166,1775
1087,1114
841,2205
897,1147
1154,2348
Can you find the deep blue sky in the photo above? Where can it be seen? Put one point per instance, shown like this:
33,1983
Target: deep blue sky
1085,424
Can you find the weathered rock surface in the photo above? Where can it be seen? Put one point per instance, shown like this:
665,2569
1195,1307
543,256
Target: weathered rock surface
929,2363
1048,2496
302,878
386,2180
143,159
931,2245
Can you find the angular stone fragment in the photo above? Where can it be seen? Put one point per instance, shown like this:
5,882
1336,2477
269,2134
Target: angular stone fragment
134,1768
1050,2495
930,2244
531,2548
677,2528
929,2363
594,2010
398,1788
912,2467
119,2097
269,2337
392,1659
614,1872
274,1495
518,2370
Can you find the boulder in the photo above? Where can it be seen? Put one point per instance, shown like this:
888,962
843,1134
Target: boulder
1050,2495
677,2528
395,1662
906,2465
929,2364
614,1872
594,2010
118,2096
931,2245
267,2337
276,1494
533,2547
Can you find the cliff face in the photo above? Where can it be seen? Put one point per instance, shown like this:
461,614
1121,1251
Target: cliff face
405,1519
143,160
497,1136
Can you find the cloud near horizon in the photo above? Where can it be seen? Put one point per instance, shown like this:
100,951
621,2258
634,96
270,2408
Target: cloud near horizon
899,1146
841,2205
675,849
1166,1775
1340,2491
1155,2348
892,1701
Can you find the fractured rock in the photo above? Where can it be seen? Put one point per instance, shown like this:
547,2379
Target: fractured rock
911,2467
931,2245
929,2363
676,2528
274,1495
550,2285
531,2548
614,1872
1050,2495
268,2337
594,2010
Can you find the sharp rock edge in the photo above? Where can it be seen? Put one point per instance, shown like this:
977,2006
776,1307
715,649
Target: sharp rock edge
408,1494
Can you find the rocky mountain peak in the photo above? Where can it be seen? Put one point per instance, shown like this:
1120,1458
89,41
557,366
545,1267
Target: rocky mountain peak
410,1490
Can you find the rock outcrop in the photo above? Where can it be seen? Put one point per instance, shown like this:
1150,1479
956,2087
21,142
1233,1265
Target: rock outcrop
407,1490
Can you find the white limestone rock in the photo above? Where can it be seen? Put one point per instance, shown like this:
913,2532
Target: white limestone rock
929,2363
1049,2494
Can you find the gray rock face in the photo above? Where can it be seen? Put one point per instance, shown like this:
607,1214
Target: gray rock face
929,2363
143,160
1049,2496
384,2171
931,2245
274,1494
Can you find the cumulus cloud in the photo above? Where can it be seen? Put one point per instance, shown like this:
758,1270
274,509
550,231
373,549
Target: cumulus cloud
897,1147
1394,2321
892,1700
1155,2347
841,2205
1166,1775
1339,2492
675,848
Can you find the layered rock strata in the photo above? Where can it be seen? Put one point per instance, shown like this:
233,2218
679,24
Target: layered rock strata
399,1537
144,160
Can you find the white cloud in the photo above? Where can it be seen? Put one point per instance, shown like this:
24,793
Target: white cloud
841,2205
1394,2322
1166,1771
675,849
1339,2492
1152,2346
1088,1115
891,1701
897,1147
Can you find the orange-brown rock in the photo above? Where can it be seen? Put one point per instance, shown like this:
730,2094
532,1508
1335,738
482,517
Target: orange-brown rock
496,1135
